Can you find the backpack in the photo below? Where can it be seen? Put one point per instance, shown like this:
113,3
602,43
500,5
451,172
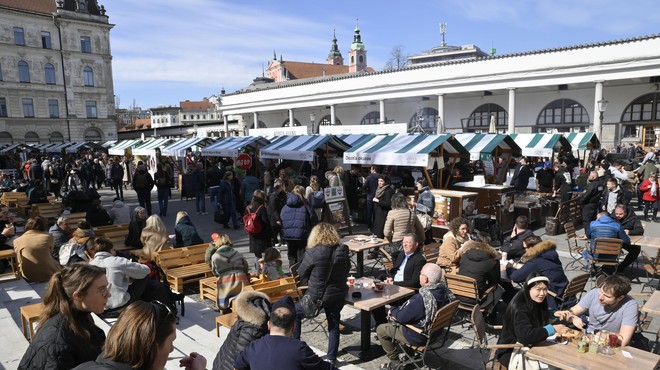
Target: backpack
252,223
140,181
317,199
161,181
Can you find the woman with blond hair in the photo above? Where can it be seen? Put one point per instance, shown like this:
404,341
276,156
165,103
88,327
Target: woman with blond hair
142,338
154,237
298,218
66,334
324,270
310,191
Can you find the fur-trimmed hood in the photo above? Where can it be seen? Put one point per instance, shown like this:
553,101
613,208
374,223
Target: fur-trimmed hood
539,249
253,307
474,245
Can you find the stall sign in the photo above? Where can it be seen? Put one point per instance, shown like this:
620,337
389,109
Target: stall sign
244,161
334,193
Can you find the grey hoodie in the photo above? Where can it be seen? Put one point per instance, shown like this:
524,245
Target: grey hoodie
119,213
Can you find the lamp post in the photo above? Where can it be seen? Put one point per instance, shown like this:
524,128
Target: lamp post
312,120
602,107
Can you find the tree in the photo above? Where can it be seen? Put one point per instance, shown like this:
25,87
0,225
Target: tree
398,59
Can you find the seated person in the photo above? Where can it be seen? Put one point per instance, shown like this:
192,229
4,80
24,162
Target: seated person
278,349
417,311
480,262
603,227
631,225
450,250
230,267
608,308
512,244
33,251
272,264
37,193
97,215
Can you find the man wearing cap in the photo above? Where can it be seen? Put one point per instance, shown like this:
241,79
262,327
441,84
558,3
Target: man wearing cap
278,350
544,179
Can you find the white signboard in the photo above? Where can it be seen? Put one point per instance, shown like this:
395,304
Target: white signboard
279,131
285,154
390,128
537,152
382,158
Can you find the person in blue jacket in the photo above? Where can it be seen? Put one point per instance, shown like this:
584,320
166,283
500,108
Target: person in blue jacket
603,227
298,219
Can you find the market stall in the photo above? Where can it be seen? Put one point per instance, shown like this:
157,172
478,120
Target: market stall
541,145
304,148
59,147
583,142
179,148
233,146
487,148
85,145
120,147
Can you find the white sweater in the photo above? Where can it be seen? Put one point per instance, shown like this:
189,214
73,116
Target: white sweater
119,270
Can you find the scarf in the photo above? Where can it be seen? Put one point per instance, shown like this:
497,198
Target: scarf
381,190
654,188
430,303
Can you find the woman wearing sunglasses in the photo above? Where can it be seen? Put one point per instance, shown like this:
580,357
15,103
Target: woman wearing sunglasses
66,335
142,338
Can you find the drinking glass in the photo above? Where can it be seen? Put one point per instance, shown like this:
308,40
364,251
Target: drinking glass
604,341
593,344
386,290
613,339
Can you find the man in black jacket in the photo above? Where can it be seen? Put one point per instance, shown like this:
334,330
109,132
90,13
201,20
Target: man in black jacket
408,264
521,175
590,199
513,244
631,225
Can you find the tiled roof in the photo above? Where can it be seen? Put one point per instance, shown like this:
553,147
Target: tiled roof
196,106
142,123
313,80
39,6
299,70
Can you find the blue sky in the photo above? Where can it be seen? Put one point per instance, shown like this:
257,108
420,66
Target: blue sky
168,51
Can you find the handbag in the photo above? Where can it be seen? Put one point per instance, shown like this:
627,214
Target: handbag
518,360
425,220
312,307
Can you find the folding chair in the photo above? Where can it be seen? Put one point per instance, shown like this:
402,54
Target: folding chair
487,351
605,254
652,267
574,247
574,288
301,289
442,319
465,289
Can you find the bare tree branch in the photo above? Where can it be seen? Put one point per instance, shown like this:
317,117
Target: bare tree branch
398,59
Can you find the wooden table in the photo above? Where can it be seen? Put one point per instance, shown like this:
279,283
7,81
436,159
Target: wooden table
645,241
369,301
359,248
10,255
653,304
567,357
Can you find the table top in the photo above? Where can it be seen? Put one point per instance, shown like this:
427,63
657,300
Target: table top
567,357
7,253
355,246
371,299
653,304
645,241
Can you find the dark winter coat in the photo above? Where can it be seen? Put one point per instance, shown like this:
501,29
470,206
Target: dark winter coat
522,331
98,217
412,269
263,240
253,309
61,238
381,208
479,262
314,271
631,223
55,346
298,218
142,181
227,193
413,312
186,233
116,172
198,181
134,232
513,246
521,176
276,201
103,363
542,258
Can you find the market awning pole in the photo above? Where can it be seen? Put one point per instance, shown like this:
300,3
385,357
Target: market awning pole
427,177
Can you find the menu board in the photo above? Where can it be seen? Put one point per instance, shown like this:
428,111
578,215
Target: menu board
337,206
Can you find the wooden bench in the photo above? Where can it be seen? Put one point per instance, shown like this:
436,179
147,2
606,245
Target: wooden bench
208,287
49,211
16,202
184,265
118,238
10,255
29,316
100,230
73,219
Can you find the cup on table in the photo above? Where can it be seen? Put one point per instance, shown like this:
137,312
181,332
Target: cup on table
374,239
613,339
387,290
350,281
593,344
504,256
379,285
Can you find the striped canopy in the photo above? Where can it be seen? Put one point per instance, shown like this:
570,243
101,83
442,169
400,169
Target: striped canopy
401,149
12,147
301,147
231,146
109,144
540,145
355,139
74,147
179,147
583,140
483,146
119,148
149,146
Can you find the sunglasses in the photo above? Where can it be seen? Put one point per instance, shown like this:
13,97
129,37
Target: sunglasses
162,312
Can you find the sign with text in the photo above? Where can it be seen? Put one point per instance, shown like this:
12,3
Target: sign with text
279,131
389,128
243,161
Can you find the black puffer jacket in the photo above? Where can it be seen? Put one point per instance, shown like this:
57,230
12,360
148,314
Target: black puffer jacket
253,310
55,346
479,263
186,233
314,270
103,363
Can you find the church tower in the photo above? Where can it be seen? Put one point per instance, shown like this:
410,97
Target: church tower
335,57
357,54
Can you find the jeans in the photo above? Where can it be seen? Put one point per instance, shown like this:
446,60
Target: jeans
163,197
213,196
370,212
119,189
200,202
144,199
333,314
230,214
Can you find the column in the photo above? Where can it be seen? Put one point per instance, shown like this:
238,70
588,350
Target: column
382,112
255,118
226,122
598,95
441,114
291,118
333,115
512,111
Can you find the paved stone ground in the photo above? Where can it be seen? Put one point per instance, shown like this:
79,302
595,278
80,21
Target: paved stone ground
196,332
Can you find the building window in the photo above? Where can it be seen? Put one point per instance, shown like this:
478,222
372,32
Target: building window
629,131
19,36
563,111
325,121
372,118
198,116
23,71
50,74
31,137
45,40
204,117
480,117
426,118
88,76
3,107
28,108
184,116
90,109
53,108
644,108
85,44
295,122
360,59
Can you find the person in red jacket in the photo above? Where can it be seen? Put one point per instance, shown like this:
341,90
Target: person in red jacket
649,189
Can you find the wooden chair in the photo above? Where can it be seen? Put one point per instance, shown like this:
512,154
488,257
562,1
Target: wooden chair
574,288
276,289
442,319
29,316
466,291
574,247
184,265
208,289
431,252
652,268
605,254
74,218
487,351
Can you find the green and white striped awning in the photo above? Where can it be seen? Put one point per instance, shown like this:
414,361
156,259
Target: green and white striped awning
149,146
119,148
232,146
301,147
540,145
179,147
483,146
83,145
583,140
401,149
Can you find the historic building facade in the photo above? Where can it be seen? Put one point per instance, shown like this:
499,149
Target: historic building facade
55,72
562,89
